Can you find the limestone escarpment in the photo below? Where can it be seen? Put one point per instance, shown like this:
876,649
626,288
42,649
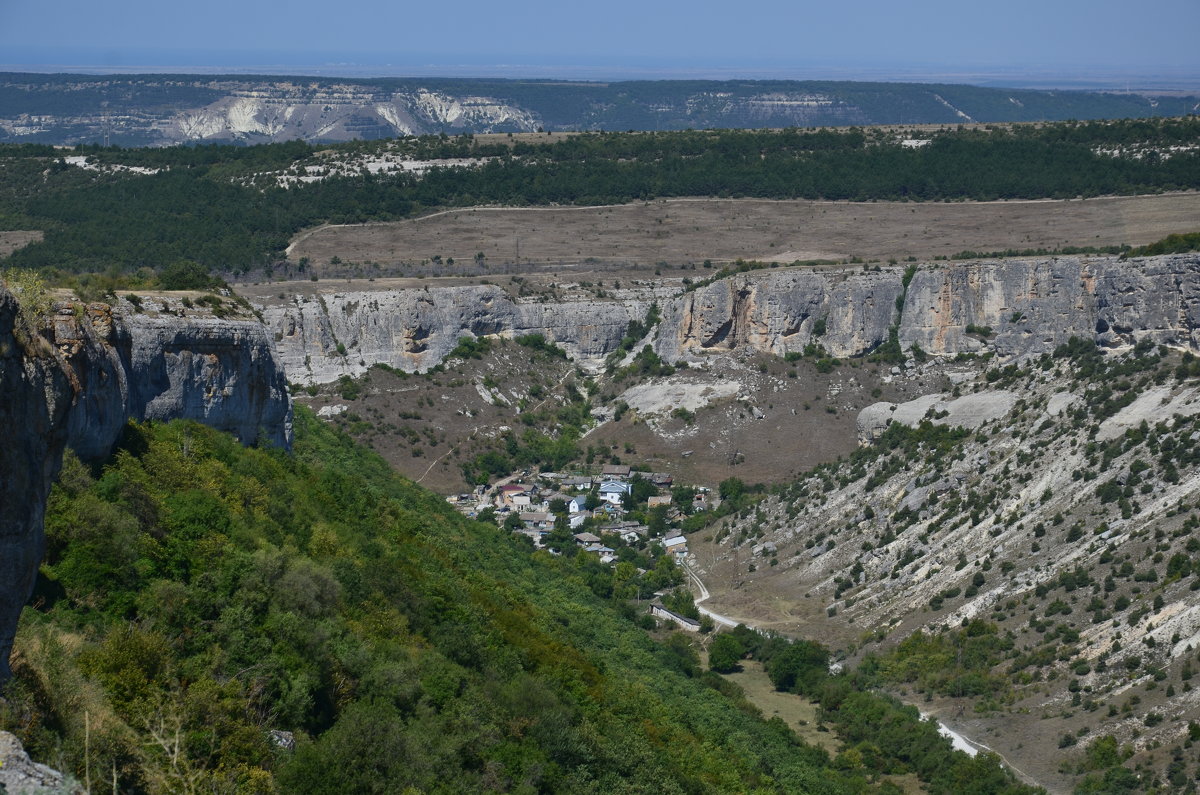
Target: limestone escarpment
1028,307
93,369
1018,307
1014,307
780,312
414,330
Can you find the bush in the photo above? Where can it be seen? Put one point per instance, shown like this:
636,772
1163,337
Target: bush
186,275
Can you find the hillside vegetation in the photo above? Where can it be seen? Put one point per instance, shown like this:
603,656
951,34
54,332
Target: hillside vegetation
199,598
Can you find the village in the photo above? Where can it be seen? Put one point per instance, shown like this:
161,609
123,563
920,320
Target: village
617,515
619,505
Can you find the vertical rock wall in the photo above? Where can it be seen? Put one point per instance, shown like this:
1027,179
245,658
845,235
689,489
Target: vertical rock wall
77,384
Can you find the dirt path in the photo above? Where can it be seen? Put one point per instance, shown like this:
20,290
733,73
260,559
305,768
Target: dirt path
434,462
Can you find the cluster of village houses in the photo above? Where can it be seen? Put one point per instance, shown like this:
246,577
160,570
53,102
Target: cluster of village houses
531,503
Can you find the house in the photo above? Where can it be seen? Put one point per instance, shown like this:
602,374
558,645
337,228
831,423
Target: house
631,535
575,504
611,491
538,536
629,532
583,539
577,482
607,554
610,510
660,479
511,491
658,611
614,471
521,500
538,521
676,547
576,520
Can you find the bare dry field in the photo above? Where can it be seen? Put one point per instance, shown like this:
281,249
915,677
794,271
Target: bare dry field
679,231
11,241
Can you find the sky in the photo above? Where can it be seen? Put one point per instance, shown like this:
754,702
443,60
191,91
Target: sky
1105,40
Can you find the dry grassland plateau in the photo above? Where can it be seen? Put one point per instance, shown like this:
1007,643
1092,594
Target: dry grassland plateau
679,231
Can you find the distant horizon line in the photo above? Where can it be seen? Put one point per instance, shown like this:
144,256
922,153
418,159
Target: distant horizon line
1043,78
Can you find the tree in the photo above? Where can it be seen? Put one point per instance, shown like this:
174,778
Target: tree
732,489
725,654
799,668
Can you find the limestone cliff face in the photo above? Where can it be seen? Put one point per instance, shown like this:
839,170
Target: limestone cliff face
33,429
414,330
1030,306
779,312
77,384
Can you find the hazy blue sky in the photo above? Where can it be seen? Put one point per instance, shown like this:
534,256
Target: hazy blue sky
1109,37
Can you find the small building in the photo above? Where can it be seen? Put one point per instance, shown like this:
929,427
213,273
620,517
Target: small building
577,482
538,520
631,535
611,491
574,503
606,554
576,520
609,510
656,501
689,624
538,536
614,471
676,547
511,491
660,479
583,539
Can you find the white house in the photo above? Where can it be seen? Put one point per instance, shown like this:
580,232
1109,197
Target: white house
611,491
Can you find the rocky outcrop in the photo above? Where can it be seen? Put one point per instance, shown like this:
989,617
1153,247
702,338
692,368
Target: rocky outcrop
20,775
322,338
91,370
969,411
